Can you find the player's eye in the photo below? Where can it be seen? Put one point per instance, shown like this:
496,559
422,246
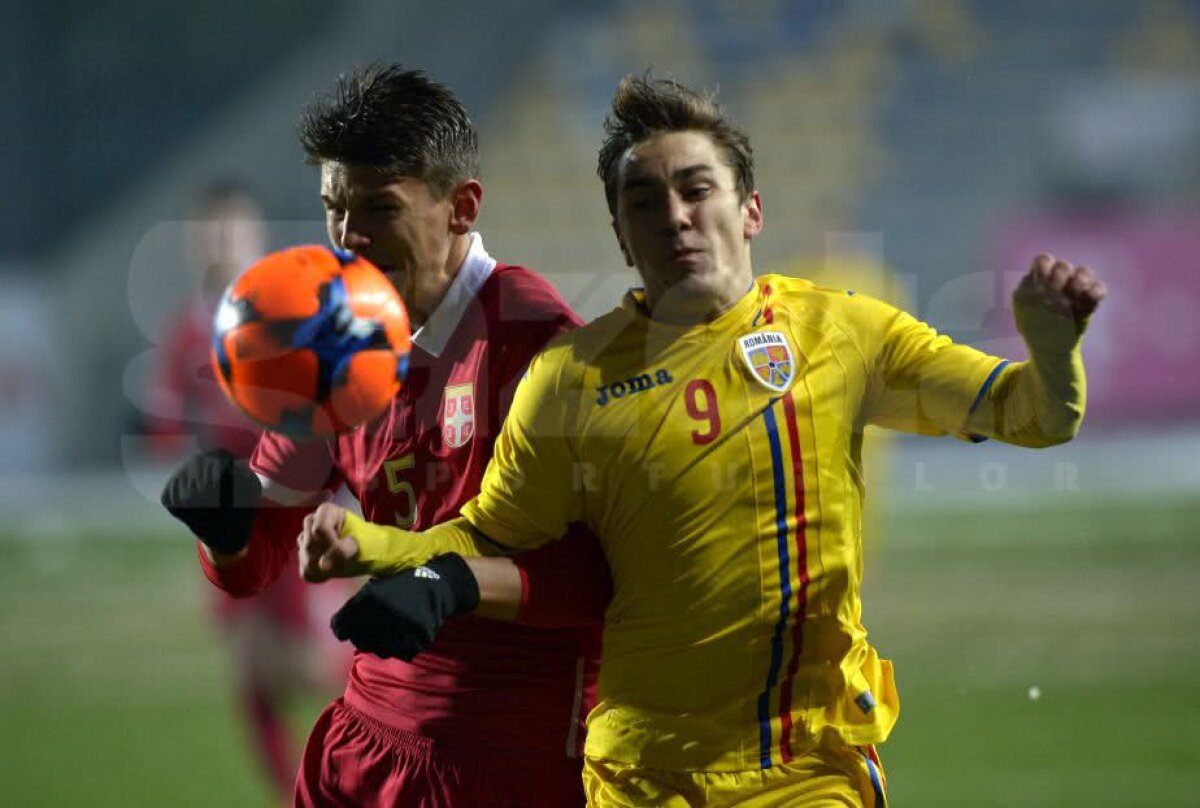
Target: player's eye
695,193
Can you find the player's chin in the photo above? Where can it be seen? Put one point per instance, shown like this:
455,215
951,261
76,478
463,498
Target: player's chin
695,280
399,278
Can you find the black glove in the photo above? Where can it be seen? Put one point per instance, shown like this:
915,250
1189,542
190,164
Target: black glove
215,496
398,616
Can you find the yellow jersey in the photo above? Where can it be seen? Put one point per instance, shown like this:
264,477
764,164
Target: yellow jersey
719,465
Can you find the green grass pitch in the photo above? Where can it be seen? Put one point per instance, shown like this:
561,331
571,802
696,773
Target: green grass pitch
1045,655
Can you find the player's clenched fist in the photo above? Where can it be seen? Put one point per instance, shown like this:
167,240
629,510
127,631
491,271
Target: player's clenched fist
399,615
216,496
1052,302
324,552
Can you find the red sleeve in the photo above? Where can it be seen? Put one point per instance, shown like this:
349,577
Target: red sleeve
295,475
294,471
564,584
272,548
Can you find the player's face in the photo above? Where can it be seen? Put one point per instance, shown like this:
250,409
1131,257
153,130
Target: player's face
682,224
397,223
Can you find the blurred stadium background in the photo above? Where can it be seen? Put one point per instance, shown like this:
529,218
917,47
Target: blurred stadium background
1040,607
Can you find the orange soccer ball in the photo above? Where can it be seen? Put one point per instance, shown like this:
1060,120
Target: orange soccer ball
311,341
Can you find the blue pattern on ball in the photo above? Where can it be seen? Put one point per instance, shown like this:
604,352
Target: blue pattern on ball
335,335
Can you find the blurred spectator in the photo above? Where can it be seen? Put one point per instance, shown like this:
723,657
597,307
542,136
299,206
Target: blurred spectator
184,402
279,641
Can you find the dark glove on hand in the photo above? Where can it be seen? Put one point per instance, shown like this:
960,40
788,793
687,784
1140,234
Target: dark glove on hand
215,496
399,615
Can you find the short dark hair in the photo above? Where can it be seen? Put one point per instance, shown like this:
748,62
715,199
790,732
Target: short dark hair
396,119
644,107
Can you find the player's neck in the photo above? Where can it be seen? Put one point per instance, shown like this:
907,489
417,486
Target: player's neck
424,305
674,308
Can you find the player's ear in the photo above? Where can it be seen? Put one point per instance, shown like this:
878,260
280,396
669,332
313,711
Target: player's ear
467,198
621,242
752,216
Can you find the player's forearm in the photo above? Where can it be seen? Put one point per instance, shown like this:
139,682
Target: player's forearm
563,585
386,550
222,560
500,587
1036,403
256,566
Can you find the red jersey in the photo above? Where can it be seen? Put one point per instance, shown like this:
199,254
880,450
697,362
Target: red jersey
482,683
184,399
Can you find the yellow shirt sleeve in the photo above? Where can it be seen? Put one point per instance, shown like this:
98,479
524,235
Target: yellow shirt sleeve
528,496
924,382
1039,402
386,550
1036,403
920,381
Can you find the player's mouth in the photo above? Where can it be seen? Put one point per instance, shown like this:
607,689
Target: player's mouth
686,255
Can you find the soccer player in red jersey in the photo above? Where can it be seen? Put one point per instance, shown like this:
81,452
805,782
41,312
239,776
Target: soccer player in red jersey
276,645
491,713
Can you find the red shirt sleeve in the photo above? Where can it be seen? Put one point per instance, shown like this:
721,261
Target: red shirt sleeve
295,475
565,583
294,471
272,548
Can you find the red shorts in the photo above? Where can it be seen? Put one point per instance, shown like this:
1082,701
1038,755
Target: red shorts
353,760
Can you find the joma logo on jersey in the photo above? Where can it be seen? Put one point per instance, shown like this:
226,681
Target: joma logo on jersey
458,415
634,384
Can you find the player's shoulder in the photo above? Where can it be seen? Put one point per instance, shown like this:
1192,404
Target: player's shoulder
589,342
517,294
802,297
566,356
292,471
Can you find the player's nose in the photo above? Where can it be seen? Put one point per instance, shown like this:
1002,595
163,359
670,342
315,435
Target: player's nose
352,237
678,213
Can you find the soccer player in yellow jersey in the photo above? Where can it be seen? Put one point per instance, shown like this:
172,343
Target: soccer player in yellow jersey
708,432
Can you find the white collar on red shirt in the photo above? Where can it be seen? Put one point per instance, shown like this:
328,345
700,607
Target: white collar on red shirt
472,275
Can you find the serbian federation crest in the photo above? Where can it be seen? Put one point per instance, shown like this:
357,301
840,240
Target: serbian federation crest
458,415
770,359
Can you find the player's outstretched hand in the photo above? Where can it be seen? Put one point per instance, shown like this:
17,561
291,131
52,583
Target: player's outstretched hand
215,495
1053,301
324,552
398,616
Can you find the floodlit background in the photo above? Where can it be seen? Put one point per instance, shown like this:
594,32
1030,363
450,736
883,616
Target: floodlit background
1040,606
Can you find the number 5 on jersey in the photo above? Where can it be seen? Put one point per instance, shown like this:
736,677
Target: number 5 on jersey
402,490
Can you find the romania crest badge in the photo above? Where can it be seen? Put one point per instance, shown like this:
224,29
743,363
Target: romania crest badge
769,358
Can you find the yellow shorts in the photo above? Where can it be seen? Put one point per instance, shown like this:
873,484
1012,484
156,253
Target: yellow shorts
827,776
